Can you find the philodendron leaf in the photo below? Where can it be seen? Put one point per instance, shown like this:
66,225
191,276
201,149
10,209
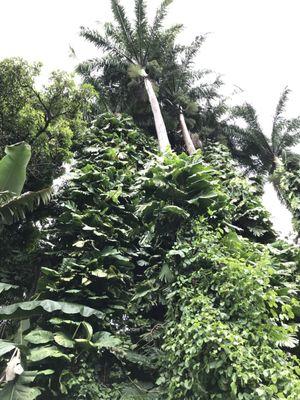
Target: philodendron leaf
63,340
13,168
28,308
175,211
17,389
6,347
40,353
39,337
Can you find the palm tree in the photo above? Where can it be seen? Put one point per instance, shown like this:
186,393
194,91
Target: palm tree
13,166
272,157
183,88
253,148
137,46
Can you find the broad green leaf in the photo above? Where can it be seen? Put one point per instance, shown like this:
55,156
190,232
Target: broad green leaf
99,273
6,347
63,340
40,353
13,168
203,196
39,337
17,389
175,211
27,308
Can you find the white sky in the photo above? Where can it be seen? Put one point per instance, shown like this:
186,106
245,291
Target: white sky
254,44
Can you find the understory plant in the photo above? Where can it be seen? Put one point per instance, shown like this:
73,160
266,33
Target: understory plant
159,279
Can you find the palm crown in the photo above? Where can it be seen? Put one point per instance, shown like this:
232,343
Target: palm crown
254,149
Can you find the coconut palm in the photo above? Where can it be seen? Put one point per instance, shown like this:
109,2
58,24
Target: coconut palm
135,47
13,204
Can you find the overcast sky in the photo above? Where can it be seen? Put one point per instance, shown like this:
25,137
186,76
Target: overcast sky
253,44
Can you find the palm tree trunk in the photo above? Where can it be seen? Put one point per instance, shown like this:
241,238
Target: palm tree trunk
161,131
186,136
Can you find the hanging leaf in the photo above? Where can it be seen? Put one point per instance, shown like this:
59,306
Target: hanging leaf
40,353
27,308
63,340
17,389
13,168
39,337
6,347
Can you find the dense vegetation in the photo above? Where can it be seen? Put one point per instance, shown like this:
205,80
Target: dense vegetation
154,272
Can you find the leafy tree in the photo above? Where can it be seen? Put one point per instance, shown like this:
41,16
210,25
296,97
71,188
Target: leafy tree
46,118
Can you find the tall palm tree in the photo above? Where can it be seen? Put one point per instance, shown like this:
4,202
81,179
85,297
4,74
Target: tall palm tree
136,46
255,150
183,89
273,157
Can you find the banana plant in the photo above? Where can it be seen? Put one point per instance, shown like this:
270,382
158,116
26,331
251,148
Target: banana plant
13,204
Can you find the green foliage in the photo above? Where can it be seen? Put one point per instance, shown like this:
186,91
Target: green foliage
18,390
286,180
169,297
13,168
249,215
46,118
227,321
253,148
12,178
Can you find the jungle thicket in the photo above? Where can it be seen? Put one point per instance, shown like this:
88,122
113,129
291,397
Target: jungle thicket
151,270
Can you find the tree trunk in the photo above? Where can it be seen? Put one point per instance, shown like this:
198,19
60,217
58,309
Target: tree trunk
186,136
162,136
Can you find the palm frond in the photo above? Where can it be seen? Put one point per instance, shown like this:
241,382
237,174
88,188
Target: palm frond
254,131
15,207
103,42
290,136
160,15
141,26
278,120
281,105
291,160
192,50
125,28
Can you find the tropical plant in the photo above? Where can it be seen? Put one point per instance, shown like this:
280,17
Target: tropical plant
227,321
137,49
150,254
183,90
48,118
253,148
13,166
268,157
